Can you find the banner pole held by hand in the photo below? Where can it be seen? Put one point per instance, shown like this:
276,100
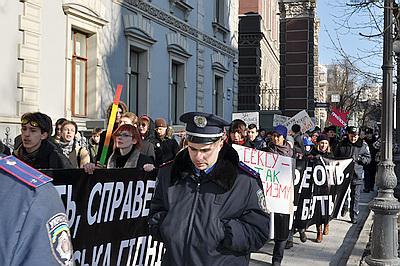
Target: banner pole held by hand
111,122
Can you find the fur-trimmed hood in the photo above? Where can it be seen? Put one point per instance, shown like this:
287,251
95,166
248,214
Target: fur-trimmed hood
224,173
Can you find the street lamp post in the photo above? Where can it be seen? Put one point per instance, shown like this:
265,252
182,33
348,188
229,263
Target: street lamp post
384,205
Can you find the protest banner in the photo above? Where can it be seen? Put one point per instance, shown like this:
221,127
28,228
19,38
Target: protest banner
317,187
107,214
276,173
248,118
279,120
320,188
302,119
338,118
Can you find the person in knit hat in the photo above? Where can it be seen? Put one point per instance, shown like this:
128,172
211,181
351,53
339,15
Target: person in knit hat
36,150
165,147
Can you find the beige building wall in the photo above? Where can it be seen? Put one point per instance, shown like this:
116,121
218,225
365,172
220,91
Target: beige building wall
270,66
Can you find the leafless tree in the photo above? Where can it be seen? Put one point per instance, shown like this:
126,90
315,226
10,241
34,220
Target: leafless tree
362,19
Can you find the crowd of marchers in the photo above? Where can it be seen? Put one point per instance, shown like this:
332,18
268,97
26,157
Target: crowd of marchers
361,145
141,142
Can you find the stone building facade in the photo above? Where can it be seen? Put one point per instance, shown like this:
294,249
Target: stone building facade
258,55
66,57
297,56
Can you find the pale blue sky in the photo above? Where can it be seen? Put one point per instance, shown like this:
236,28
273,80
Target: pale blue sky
331,13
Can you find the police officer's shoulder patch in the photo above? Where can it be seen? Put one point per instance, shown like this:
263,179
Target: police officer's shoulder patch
23,172
262,203
60,239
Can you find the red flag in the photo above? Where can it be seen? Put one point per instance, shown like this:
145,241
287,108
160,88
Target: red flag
338,118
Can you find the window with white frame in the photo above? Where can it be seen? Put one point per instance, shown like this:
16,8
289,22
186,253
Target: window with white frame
84,22
139,35
79,73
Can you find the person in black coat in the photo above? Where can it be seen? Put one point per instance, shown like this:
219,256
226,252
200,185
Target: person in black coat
355,148
322,149
165,148
208,208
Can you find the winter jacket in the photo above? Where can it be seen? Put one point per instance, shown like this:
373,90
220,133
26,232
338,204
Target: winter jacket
298,145
211,219
147,149
360,154
135,159
93,149
165,149
258,143
316,153
47,157
79,156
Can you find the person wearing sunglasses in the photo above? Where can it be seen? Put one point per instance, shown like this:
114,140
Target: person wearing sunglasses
36,150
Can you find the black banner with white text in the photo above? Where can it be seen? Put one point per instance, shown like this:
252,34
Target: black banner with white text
107,214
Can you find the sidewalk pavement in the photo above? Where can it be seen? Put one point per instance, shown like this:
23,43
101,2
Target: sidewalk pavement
344,245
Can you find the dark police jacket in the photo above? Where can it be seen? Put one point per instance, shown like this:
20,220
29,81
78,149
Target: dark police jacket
216,219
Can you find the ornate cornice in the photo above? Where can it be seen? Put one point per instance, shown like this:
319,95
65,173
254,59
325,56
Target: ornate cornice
176,24
298,9
252,39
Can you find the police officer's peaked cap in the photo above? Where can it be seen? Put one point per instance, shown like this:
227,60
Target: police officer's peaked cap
203,127
352,130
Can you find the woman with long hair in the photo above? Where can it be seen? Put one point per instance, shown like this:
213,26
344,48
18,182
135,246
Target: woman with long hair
237,133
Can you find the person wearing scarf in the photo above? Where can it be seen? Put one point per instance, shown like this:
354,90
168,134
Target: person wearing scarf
77,155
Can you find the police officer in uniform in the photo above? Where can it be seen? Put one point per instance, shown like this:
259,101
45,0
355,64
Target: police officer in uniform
208,208
357,149
33,224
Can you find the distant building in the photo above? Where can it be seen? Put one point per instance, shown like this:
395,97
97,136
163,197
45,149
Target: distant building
66,57
320,94
297,56
258,55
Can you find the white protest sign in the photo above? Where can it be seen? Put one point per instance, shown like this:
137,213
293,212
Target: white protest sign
279,120
248,118
302,119
276,174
